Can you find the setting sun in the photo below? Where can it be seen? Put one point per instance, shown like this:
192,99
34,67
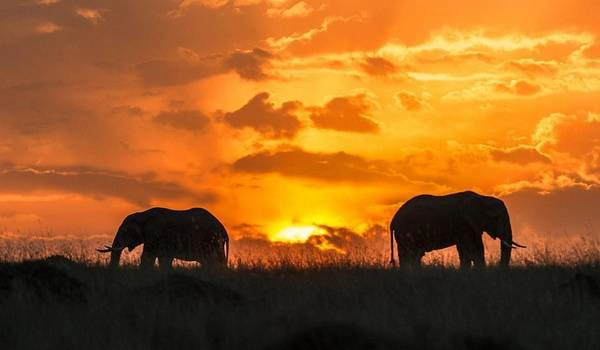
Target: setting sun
295,234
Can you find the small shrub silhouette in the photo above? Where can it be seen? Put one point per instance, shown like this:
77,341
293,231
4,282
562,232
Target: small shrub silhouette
43,280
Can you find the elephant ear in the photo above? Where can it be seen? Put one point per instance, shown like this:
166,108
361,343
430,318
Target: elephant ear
498,215
472,213
135,233
150,234
495,209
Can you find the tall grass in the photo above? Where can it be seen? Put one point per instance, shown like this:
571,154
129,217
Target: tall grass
574,251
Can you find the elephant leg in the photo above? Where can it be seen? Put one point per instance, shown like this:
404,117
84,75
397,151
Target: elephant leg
165,262
478,252
148,260
403,257
418,258
408,257
464,255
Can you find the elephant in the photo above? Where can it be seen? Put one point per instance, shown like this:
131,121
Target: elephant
192,235
426,222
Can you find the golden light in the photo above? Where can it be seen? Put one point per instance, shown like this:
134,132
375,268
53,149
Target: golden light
295,234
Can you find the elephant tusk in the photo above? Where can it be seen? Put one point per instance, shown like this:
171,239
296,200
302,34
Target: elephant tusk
108,249
512,244
515,244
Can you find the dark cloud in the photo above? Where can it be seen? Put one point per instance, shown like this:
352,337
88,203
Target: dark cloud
347,113
179,71
140,190
332,167
262,116
343,239
378,66
190,120
519,155
188,66
250,64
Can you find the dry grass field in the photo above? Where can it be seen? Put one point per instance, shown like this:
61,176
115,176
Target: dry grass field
57,302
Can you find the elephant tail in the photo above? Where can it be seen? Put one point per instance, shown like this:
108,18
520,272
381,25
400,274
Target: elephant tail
392,262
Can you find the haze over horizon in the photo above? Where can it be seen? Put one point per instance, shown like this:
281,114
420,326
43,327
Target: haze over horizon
289,118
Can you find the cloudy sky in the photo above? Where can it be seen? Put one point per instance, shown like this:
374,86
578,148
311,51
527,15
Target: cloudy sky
282,113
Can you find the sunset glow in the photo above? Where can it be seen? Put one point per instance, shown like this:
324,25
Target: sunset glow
295,234
291,174
291,119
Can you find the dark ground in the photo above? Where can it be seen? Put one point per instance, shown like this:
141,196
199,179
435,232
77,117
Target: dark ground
58,304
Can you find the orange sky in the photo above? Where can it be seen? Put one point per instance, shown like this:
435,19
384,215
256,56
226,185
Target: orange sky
278,113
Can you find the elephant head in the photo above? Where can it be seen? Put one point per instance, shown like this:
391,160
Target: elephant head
489,214
129,235
216,250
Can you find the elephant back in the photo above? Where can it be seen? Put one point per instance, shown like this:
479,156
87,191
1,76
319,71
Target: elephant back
423,216
206,219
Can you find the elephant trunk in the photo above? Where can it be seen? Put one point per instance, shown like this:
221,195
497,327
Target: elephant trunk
116,249
506,248
128,236
115,257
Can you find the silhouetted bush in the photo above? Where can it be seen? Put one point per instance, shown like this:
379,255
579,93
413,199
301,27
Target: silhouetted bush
43,280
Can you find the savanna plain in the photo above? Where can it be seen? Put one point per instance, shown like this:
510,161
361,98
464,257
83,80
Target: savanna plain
547,300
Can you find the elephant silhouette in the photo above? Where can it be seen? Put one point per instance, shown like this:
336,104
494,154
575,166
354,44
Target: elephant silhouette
426,222
192,235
